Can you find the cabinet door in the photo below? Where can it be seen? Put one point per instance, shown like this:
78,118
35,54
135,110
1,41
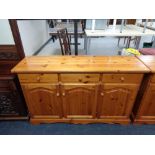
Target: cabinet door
79,100
116,100
42,99
147,107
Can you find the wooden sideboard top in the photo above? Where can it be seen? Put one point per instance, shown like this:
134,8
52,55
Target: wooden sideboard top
36,64
149,61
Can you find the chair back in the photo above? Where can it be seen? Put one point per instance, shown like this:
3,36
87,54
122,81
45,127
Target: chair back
64,41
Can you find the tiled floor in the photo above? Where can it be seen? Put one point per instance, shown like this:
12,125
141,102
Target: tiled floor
99,46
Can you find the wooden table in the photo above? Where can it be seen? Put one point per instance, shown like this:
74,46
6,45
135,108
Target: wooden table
80,89
128,30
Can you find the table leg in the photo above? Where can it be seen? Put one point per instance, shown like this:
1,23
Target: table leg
138,42
153,40
89,41
85,38
86,44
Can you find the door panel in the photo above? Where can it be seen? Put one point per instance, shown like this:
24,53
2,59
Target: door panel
116,99
148,102
79,100
43,99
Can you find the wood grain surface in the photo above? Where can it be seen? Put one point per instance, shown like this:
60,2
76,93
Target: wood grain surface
36,64
149,61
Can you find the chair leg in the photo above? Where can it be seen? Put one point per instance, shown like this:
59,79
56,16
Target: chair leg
128,42
118,41
125,40
70,38
53,38
135,42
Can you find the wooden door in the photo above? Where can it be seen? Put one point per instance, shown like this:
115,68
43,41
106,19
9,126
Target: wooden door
147,107
43,99
12,103
116,100
79,100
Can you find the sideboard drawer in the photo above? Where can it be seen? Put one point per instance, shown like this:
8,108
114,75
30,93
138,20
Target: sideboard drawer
122,78
52,78
153,78
80,78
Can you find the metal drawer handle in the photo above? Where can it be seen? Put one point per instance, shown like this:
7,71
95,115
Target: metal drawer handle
102,94
63,94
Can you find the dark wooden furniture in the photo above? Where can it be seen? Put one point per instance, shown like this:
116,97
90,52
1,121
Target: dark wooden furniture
144,112
64,41
12,104
80,89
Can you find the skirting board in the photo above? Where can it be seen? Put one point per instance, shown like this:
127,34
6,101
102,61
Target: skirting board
144,120
79,121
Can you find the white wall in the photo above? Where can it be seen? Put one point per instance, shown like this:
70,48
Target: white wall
5,32
33,34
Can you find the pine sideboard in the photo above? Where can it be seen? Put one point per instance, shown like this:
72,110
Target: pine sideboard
145,112
80,89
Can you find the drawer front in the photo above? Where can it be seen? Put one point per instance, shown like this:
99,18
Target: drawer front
122,78
153,78
80,78
52,78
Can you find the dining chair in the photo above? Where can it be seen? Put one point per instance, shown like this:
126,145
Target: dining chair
119,38
64,41
128,40
134,39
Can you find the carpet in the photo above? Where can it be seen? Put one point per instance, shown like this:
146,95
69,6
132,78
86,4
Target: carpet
25,128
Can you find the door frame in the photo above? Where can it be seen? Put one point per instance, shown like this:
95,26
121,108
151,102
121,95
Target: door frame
15,49
17,38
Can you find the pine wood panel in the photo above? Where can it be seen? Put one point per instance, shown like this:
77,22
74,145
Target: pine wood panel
147,107
122,78
83,64
43,99
149,61
153,78
116,99
46,78
146,111
80,78
80,121
66,88
79,100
